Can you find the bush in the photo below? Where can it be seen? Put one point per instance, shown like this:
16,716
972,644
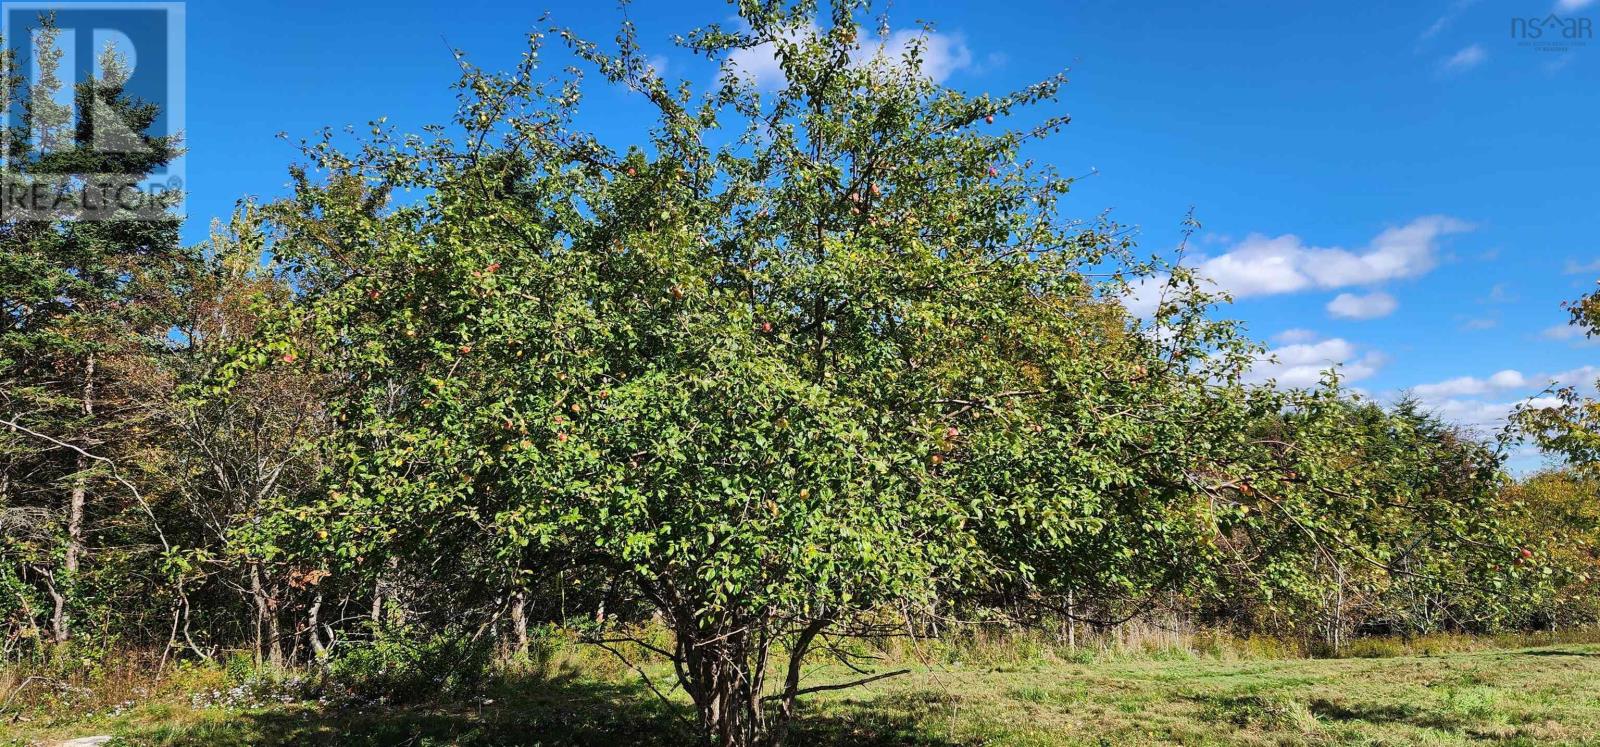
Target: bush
397,666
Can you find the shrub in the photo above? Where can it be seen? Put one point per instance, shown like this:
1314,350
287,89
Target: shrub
400,667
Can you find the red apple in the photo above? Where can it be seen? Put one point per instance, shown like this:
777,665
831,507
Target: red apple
952,432
989,119
289,357
493,267
766,327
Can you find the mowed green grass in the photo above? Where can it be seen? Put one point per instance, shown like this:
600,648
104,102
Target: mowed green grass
1535,696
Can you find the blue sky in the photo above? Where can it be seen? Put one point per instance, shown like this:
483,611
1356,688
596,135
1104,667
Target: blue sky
1397,186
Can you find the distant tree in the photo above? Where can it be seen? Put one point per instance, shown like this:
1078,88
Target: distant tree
1388,519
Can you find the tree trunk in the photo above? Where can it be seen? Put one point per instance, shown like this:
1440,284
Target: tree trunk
271,645
725,674
75,503
791,680
314,629
519,622
718,677
1072,623
58,609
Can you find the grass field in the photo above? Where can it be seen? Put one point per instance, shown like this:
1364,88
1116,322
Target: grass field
1531,696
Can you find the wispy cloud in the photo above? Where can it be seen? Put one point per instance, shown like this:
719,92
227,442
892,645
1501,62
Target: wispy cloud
1567,6
1449,16
1373,305
1469,57
1569,333
1573,267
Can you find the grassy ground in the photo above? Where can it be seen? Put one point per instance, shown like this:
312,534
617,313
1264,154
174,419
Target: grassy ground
1533,696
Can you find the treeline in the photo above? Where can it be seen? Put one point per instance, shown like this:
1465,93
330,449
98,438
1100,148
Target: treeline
811,364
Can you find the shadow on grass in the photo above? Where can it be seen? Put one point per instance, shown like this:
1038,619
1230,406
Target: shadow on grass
1384,714
549,713
1547,652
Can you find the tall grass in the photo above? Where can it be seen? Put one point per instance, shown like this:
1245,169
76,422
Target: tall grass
67,688
1004,646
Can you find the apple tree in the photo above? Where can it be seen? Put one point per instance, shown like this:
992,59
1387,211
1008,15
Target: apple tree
814,359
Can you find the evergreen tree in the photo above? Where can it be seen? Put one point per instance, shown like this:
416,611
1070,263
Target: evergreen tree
88,299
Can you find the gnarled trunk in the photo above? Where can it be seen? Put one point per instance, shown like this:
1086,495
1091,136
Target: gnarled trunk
724,672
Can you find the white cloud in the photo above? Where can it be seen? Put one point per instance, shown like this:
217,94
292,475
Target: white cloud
1466,59
1303,364
1144,295
1293,336
1464,386
1582,376
1370,306
1472,413
759,64
1480,402
1262,265
941,54
1457,387
1565,6
1508,379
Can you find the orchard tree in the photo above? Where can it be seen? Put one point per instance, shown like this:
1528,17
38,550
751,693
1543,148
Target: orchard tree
1369,517
1561,520
815,361
1568,425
